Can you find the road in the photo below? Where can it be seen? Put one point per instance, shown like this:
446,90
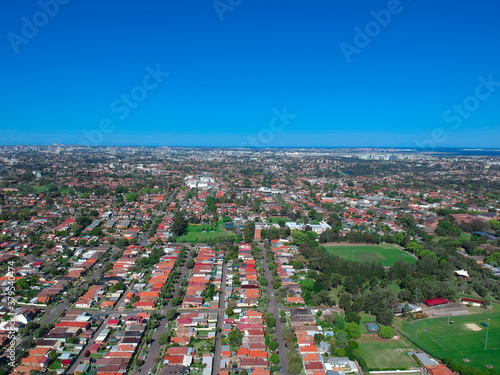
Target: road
220,321
53,312
153,351
274,308
94,274
145,238
111,315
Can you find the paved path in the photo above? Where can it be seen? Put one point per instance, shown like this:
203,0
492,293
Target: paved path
274,308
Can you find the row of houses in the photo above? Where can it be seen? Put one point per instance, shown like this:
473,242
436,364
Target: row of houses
207,268
282,256
67,339
148,298
242,279
252,354
115,345
313,356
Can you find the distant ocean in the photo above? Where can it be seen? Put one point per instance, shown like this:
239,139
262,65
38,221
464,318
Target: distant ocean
465,151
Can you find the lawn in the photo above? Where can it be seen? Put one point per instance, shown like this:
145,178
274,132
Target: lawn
366,318
457,341
56,365
385,254
385,354
195,234
275,219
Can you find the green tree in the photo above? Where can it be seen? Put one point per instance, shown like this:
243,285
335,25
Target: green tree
385,316
413,247
249,231
190,263
341,338
164,339
340,323
495,224
271,322
386,332
171,314
52,355
353,330
274,359
179,225
116,287
22,284
131,197
262,281
398,238
235,337
493,259
353,317
345,302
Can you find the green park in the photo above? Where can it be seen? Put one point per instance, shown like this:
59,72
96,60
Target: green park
201,233
386,254
460,338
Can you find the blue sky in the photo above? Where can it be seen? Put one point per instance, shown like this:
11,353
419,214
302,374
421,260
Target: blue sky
231,70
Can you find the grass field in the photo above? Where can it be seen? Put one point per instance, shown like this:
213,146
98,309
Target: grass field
275,219
195,234
385,254
365,318
385,354
457,341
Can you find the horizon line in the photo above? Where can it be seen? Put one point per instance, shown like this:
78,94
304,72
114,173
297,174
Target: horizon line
468,148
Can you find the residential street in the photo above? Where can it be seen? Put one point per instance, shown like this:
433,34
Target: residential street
220,321
94,274
53,312
274,308
149,361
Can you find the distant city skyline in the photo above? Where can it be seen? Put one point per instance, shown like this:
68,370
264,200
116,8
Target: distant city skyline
407,74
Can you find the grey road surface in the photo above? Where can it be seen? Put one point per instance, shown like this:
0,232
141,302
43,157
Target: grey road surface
274,308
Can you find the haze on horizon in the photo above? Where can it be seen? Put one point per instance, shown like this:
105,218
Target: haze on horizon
251,73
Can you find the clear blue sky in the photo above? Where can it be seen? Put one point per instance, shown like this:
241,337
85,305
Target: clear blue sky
229,77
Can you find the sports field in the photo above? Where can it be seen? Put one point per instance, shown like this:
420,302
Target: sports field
385,254
463,340
195,234
383,354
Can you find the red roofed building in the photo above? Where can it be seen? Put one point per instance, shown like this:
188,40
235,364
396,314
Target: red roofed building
473,302
436,301
438,370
